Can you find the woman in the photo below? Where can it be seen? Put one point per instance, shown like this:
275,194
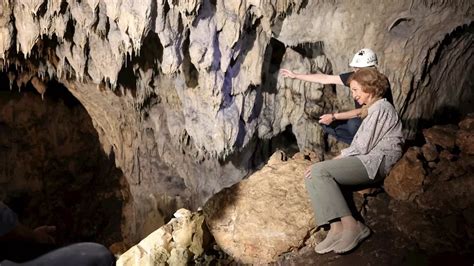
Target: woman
376,147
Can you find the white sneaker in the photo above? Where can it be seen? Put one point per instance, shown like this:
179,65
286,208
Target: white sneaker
351,238
328,244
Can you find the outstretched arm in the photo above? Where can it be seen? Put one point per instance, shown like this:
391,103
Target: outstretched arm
327,119
317,78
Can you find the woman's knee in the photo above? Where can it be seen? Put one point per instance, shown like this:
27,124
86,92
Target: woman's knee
319,172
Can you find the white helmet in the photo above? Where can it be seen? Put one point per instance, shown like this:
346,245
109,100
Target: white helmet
364,58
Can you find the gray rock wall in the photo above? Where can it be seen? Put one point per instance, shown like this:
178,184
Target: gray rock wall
183,92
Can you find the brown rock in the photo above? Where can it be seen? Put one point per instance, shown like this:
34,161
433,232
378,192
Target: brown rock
429,152
432,164
467,163
467,123
418,226
263,216
444,136
118,248
405,180
446,155
434,232
465,141
451,196
446,170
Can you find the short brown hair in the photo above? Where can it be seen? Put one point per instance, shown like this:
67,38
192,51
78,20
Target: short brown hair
371,81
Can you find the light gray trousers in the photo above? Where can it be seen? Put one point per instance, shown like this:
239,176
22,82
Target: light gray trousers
323,187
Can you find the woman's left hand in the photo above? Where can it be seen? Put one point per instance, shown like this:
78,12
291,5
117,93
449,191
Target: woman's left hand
326,119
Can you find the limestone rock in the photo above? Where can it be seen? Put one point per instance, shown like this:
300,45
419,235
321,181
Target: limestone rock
172,244
263,216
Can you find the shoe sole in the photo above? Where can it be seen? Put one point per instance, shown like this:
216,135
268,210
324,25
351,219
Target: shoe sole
360,237
328,249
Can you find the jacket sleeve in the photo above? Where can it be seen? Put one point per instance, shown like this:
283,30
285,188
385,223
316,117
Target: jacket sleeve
8,219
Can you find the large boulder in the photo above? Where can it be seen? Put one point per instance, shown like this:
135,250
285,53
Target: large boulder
265,215
405,181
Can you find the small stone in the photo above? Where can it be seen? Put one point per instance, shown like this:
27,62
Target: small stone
429,152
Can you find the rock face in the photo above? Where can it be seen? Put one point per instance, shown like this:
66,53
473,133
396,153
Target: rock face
434,198
265,215
53,168
406,179
184,93
176,243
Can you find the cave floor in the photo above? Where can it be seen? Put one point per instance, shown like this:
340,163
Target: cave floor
385,246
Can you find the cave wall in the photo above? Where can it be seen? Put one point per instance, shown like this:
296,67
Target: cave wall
184,92
53,168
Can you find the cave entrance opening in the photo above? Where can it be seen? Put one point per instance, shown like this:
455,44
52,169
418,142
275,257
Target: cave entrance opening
53,169
285,141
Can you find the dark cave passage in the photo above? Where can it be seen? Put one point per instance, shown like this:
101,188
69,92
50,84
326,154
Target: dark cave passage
52,168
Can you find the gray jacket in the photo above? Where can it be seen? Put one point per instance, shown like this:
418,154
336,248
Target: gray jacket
379,140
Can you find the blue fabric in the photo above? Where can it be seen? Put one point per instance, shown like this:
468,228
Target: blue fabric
83,254
8,219
343,130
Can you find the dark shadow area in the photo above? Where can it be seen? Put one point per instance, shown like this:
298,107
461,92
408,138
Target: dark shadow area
53,168
206,11
244,45
444,92
273,57
151,55
285,141
191,75
310,50
443,116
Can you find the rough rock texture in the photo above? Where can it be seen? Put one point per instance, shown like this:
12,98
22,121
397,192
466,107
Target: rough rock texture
434,201
185,94
52,165
265,215
443,136
176,243
405,181
465,135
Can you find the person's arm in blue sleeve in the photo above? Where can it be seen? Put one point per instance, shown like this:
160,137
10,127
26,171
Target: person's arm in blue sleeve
11,229
8,219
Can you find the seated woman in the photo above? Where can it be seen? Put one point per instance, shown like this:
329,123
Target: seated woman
376,147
